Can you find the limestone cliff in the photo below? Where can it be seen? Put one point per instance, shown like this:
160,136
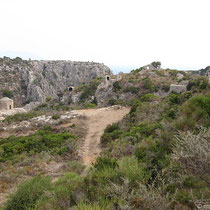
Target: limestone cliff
31,81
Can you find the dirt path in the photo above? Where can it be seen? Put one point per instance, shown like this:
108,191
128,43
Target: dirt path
97,121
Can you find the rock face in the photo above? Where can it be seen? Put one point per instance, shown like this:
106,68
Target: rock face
32,81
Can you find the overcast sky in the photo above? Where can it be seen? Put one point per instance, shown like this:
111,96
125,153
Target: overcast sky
122,34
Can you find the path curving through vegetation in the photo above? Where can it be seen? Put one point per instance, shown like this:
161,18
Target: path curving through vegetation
97,121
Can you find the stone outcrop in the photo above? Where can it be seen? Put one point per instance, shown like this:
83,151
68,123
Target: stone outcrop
32,81
177,88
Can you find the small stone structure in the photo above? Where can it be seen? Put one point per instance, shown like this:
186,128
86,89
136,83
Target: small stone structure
6,104
177,88
153,66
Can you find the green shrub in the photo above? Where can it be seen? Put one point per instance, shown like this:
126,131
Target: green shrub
131,89
75,167
21,117
62,193
28,194
103,162
90,105
148,84
48,99
111,133
144,128
7,93
200,83
166,88
195,111
174,98
94,101
56,117
148,97
112,102
116,86
184,197
88,90
130,169
42,140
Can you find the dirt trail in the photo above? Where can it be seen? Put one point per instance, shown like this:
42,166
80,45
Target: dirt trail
97,121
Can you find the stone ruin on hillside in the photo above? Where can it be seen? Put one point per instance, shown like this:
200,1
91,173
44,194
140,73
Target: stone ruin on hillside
6,104
153,66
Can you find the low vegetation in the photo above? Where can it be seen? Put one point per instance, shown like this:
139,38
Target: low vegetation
43,140
157,157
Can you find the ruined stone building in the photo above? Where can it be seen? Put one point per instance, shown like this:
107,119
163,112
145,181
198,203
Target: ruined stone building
6,104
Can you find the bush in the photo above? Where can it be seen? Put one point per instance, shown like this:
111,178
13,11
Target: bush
21,117
148,97
103,162
174,98
133,171
90,105
56,117
195,111
166,88
192,151
148,84
116,86
111,133
144,128
131,89
28,193
112,102
42,140
88,90
200,83
7,93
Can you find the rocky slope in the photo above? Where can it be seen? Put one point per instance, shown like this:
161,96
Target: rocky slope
31,81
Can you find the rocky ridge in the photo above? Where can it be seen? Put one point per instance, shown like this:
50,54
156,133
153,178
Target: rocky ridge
32,81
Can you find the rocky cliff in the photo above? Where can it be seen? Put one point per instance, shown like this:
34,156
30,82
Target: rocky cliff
30,81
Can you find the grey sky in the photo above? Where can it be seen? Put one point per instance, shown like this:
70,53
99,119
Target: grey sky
124,33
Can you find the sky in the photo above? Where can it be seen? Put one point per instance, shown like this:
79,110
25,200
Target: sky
123,34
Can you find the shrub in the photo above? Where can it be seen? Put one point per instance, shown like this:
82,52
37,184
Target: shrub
7,93
116,86
111,133
88,90
148,84
174,98
166,88
75,167
195,111
133,171
200,83
21,117
148,97
131,89
42,140
56,117
103,162
144,128
48,99
192,151
28,193
90,105
95,101
112,102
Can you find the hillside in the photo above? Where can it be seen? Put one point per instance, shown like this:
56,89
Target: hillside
142,142
32,81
